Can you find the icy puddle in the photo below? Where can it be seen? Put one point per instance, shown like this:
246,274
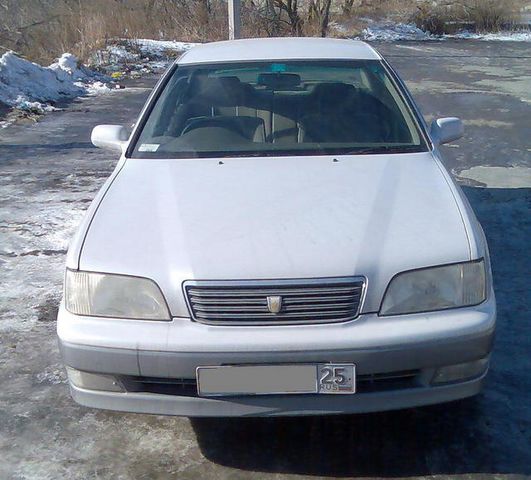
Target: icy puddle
499,177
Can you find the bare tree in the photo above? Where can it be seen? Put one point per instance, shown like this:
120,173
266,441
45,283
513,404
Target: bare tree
291,8
319,12
273,17
346,7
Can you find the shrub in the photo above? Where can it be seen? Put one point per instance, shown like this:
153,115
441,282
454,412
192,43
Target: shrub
491,15
482,15
431,18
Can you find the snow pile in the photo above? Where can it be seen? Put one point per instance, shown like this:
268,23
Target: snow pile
26,85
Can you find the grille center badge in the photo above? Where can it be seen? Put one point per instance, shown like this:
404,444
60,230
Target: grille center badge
274,303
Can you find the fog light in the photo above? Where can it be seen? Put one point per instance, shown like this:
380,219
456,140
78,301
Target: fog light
461,371
93,381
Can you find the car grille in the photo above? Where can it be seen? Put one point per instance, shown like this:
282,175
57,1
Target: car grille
187,387
256,302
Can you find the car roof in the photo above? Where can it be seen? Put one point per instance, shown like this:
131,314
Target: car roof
288,48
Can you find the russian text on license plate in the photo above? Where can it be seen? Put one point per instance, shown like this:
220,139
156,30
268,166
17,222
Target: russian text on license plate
324,378
336,378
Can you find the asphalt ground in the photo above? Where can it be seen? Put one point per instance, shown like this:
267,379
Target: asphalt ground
49,172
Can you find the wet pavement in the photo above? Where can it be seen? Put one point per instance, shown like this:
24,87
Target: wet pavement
49,172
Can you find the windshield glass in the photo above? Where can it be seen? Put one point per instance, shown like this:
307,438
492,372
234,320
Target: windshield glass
278,108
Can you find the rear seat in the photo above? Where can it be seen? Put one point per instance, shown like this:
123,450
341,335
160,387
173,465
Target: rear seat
285,126
334,112
249,103
341,113
227,96
224,96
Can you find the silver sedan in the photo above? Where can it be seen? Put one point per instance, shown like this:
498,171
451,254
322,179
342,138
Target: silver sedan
279,237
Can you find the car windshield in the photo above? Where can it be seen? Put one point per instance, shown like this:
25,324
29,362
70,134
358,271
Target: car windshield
278,108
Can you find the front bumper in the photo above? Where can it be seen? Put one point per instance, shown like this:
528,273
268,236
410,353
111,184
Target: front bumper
275,405
418,344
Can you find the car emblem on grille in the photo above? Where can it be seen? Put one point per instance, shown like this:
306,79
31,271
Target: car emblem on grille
274,303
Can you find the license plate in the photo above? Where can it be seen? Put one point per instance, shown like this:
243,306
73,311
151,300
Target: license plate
324,378
336,378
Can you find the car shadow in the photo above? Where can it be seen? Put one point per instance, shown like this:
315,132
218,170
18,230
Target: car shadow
490,433
390,444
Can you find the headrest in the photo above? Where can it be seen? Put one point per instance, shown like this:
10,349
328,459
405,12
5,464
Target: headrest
217,90
333,94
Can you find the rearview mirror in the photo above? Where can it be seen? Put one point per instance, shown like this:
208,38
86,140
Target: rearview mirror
446,130
111,137
279,81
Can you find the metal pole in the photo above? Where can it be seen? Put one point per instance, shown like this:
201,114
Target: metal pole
234,19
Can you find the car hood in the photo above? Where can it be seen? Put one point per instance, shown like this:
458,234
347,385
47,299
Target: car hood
269,218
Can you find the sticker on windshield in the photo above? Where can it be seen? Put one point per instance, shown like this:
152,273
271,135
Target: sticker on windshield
149,147
278,67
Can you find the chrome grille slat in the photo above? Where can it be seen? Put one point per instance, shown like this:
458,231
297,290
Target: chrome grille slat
229,301
261,302
234,308
324,306
311,299
303,301
232,292
271,316
261,308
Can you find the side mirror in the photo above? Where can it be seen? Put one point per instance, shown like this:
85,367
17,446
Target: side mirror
111,137
446,130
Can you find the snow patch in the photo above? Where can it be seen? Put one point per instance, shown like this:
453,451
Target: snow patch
391,32
117,54
35,107
516,36
53,375
139,56
34,237
161,47
98,88
32,87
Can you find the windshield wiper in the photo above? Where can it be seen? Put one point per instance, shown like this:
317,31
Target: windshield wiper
387,149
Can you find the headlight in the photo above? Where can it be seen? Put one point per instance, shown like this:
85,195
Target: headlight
118,296
436,288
